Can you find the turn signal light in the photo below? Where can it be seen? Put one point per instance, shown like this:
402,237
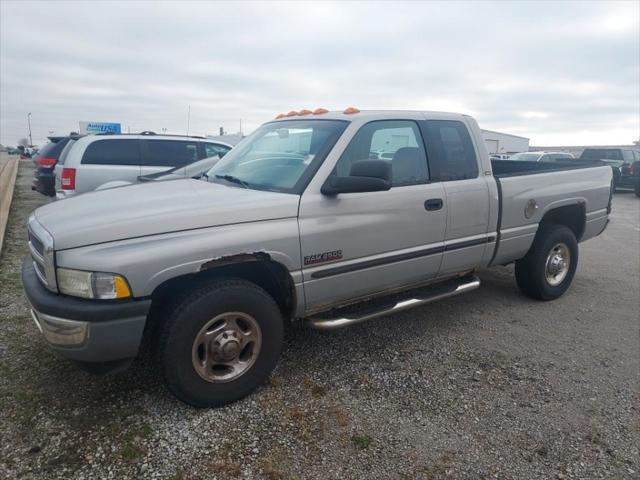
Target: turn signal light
351,110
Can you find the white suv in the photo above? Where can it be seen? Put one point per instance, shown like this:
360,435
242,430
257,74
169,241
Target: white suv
90,162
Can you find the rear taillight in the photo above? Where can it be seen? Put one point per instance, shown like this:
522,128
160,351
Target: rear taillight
46,162
632,169
68,179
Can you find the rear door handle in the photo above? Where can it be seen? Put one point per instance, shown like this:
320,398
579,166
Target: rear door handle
433,204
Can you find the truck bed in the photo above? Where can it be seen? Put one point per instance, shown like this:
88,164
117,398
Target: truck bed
581,187
510,168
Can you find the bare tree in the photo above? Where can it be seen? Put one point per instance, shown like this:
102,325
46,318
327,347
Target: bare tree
23,142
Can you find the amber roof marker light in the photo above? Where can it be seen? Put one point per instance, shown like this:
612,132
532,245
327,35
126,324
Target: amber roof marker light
292,113
280,115
350,110
305,112
320,111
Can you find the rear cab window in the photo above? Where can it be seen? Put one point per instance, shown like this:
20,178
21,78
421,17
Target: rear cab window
450,150
119,151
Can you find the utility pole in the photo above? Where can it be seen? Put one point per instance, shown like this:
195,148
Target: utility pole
29,122
188,119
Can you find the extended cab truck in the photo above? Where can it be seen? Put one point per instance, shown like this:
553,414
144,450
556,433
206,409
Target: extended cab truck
297,222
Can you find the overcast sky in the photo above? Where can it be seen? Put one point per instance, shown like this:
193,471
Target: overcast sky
559,73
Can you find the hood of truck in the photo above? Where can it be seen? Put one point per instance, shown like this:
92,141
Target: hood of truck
158,207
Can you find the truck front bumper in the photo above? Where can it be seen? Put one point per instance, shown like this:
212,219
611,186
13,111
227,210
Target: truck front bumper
85,330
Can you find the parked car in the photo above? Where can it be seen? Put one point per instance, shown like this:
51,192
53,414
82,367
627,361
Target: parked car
297,223
634,173
193,170
95,160
620,160
45,162
541,157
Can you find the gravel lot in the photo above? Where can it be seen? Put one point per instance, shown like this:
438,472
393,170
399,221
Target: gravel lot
487,385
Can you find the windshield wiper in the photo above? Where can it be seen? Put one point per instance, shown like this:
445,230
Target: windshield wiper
232,179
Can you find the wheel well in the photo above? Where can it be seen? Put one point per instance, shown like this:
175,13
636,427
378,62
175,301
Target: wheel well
272,276
571,216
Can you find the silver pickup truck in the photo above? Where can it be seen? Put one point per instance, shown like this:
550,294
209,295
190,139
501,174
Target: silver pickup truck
301,221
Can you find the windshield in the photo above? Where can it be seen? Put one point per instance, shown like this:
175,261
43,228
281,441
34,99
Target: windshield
601,154
279,156
525,156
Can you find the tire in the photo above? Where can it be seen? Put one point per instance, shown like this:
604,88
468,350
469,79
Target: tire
235,302
532,272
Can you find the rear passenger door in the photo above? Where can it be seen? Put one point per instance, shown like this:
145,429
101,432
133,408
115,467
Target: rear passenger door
108,160
160,155
453,162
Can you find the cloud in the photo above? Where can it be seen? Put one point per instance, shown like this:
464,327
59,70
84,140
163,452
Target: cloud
558,72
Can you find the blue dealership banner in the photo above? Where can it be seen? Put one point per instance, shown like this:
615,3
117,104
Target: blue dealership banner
100,127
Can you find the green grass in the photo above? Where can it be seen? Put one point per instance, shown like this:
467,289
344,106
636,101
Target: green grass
361,441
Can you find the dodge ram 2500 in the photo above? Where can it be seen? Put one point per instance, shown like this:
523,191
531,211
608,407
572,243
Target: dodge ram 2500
301,221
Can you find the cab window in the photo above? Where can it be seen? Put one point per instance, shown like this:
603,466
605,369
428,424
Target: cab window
395,141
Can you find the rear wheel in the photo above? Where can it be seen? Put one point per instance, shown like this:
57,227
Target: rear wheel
220,343
547,270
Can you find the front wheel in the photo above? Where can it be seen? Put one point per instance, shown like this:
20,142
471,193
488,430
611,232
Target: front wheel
220,343
547,270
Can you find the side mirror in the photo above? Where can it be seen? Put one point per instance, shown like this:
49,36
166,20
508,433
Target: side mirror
365,176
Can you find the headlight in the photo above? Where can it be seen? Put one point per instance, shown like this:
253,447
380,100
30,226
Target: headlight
99,285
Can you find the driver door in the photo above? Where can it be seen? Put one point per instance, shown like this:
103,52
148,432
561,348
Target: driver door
357,244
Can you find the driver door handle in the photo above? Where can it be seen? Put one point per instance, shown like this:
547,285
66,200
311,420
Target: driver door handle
433,204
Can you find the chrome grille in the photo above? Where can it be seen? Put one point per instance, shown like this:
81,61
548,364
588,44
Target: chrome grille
41,250
37,244
42,275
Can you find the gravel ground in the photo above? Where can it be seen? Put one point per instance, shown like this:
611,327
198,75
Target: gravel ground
486,385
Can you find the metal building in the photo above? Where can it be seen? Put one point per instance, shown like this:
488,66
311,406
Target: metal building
504,143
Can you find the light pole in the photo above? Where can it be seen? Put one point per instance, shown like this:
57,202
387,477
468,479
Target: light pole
29,122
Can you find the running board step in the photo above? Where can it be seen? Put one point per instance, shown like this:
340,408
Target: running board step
351,315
